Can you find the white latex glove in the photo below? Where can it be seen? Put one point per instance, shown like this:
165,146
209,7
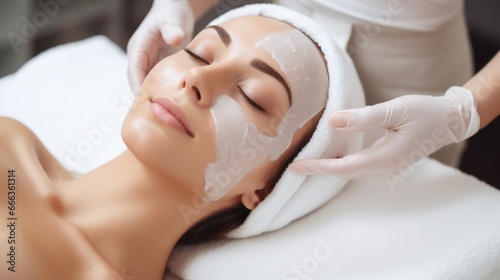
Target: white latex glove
417,126
165,29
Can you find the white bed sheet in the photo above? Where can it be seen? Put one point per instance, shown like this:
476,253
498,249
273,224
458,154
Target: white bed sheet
74,97
437,224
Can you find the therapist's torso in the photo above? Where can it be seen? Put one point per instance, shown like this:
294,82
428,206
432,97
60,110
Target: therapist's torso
417,15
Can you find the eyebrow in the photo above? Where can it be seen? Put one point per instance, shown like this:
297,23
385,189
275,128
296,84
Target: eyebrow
223,35
255,63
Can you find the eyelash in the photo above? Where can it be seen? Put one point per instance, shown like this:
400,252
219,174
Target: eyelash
245,96
195,56
250,101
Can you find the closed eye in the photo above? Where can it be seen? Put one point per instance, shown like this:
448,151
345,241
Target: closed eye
250,101
195,56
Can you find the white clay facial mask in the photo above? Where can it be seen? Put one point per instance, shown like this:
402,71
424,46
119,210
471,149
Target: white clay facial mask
240,147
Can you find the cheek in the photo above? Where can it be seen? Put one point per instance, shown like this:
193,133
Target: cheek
169,153
167,73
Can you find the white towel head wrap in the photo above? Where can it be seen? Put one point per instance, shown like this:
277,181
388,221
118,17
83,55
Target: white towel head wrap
296,195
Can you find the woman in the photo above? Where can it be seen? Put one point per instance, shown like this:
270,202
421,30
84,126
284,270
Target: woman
125,217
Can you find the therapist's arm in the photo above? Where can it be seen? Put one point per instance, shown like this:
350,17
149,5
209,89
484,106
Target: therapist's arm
485,86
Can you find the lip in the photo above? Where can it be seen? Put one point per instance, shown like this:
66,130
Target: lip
171,114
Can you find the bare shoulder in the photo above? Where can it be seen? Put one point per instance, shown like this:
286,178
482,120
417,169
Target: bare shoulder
6,121
12,128
13,136
16,142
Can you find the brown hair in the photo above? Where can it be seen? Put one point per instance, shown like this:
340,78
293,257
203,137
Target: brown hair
224,221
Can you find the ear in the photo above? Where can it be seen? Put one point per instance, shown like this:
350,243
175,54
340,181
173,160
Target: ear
250,200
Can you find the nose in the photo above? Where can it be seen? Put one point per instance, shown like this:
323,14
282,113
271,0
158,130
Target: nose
202,84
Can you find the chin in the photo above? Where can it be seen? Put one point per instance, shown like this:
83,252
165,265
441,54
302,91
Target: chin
164,151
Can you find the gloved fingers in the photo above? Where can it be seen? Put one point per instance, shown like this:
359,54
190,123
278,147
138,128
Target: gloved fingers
172,34
358,164
136,75
140,63
382,157
360,119
167,26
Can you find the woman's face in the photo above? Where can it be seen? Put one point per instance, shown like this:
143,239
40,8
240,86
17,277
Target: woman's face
220,60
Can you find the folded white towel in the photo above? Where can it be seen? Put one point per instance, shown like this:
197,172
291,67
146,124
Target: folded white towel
296,195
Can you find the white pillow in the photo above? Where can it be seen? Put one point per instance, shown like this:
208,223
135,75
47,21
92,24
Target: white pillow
74,97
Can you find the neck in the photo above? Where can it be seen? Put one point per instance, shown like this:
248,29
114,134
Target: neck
129,214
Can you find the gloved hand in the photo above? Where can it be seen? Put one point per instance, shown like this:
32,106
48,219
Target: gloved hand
417,126
167,27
